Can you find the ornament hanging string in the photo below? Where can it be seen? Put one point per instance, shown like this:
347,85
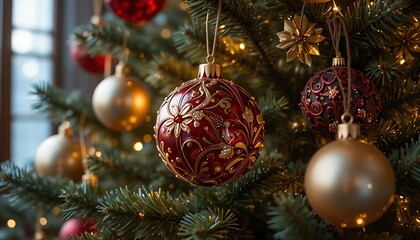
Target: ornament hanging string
210,56
96,20
89,178
39,229
126,50
97,7
336,25
82,142
301,15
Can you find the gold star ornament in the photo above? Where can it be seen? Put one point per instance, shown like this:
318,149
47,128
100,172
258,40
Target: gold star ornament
302,37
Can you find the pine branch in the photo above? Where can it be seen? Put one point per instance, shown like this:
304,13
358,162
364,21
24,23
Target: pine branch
291,219
293,138
399,92
57,103
146,214
406,162
135,169
80,201
383,135
108,38
110,160
374,22
209,224
384,236
273,107
190,41
236,19
268,177
349,234
103,234
282,9
168,72
237,23
384,69
399,124
26,189
388,135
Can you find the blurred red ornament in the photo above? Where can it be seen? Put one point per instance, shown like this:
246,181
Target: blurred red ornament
135,11
92,64
76,226
209,131
322,100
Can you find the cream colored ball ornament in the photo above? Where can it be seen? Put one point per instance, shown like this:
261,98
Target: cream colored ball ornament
349,182
120,101
60,155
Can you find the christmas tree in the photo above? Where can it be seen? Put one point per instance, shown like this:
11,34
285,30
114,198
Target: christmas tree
243,152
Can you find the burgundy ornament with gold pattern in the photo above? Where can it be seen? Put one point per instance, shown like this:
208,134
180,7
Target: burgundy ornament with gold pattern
322,100
209,131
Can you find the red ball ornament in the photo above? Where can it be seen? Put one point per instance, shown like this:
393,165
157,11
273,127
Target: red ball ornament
209,131
92,64
135,11
76,226
322,100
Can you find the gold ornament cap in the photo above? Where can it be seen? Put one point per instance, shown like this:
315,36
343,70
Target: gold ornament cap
209,70
65,129
338,60
348,129
95,20
39,235
122,69
90,179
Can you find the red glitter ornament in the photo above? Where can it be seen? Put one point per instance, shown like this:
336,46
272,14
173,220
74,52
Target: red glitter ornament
135,11
92,64
209,131
322,100
76,226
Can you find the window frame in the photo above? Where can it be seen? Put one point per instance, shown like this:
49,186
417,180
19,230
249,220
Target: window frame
5,69
65,72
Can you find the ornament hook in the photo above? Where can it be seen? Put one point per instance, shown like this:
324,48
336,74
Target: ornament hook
347,117
336,25
210,56
126,50
97,11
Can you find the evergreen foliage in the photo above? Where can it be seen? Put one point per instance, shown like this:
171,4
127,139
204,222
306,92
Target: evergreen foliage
138,198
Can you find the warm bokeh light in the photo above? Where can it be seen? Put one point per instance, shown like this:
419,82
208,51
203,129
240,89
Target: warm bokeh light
43,221
183,5
98,154
147,138
138,146
11,223
165,33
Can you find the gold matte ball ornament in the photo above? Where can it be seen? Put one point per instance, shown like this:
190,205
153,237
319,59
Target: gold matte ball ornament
60,155
120,101
348,182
